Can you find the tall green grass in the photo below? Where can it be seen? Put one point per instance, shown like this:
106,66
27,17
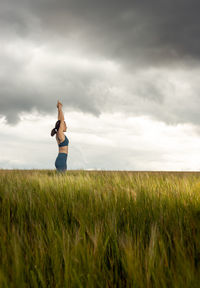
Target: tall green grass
99,229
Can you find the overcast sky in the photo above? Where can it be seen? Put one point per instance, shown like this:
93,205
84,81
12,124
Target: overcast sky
127,73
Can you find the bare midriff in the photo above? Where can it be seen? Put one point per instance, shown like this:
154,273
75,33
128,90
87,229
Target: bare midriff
63,149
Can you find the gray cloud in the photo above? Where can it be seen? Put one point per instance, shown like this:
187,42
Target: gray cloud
143,32
136,34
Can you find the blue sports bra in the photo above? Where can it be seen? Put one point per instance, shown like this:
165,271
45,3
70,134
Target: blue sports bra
65,142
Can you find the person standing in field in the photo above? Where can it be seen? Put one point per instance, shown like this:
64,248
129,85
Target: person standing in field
62,140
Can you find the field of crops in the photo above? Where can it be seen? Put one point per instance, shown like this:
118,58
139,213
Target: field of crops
99,229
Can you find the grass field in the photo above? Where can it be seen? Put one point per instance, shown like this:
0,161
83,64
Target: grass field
99,229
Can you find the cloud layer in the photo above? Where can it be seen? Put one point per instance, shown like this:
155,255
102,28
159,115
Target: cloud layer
134,57
110,142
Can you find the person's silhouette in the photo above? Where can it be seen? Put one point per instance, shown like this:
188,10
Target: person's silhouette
62,140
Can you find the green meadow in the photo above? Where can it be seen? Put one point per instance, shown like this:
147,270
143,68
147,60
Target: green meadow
99,229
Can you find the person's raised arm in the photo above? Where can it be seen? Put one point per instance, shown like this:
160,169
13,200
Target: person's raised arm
60,112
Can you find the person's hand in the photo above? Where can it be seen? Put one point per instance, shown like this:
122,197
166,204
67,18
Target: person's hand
59,104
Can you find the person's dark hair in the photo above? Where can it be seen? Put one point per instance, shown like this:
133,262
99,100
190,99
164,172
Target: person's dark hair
55,130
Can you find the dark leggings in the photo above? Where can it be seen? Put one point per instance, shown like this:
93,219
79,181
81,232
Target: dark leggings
61,162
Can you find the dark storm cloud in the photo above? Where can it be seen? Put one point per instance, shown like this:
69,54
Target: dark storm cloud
137,34
140,32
